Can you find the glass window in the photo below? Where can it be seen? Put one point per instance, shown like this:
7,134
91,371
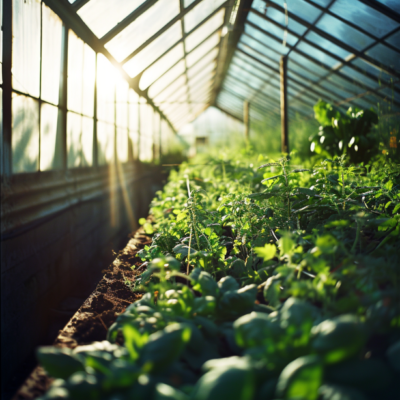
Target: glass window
167,79
373,70
324,44
89,65
209,59
51,55
358,76
161,66
143,28
79,140
102,15
314,53
75,72
363,16
344,32
26,47
105,142
155,49
385,56
105,89
394,40
393,4
122,144
299,8
133,123
50,140
25,134
202,50
163,96
199,12
122,89
1,49
254,44
297,61
263,59
205,30
274,44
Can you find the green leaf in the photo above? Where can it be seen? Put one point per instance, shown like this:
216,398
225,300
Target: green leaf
181,216
267,252
205,284
184,250
396,208
166,392
133,340
300,379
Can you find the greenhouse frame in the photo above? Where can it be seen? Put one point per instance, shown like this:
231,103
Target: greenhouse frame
95,92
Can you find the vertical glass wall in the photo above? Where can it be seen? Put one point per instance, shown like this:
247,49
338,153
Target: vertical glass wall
69,104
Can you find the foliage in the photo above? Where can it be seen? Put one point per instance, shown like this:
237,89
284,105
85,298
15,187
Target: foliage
347,133
264,280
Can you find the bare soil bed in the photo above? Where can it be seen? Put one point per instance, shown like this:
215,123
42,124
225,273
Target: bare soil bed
99,311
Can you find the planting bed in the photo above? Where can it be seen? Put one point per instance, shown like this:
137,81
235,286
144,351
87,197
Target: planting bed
92,320
262,280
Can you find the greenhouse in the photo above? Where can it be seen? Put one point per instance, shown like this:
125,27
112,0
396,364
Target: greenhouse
200,199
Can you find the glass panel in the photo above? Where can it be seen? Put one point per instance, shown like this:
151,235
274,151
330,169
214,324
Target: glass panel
252,66
293,25
170,89
375,71
105,89
258,56
1,51
322,3
394,40
142,29
393,4
50,141
87,142
74,133
122,89
51,55
274,44
202,50
204,30
314,53
333,88
89,65
325,44
385,56
151,52
75,72
299,8
273,29
162,65
259,47
207,60
201,11
167,79
122,144
26,47
133,110
363,16
25,134
205,75
105,140
102,15
305,64
344,32
358,76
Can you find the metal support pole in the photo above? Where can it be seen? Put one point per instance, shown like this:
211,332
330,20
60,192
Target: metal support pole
284,108
6,156
246,119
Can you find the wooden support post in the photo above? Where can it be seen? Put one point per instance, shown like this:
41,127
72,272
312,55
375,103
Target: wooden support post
284,108
246,120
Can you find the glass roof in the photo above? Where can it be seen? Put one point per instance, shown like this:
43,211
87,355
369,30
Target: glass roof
174,52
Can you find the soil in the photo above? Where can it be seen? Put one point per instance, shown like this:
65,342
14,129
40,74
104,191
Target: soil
99,311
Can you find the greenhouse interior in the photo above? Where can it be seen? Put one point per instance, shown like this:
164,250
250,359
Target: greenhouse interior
200,199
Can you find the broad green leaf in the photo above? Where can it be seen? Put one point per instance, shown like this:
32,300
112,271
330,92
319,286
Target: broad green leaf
267,252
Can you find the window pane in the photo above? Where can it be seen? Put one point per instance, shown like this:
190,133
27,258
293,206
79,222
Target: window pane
394,40
163,96
201,11
167,79
122,102
151,52
26,47
50,140
51,55
207,60
344,32
87,142
325,44
102,15
393,4
75,72
299,8
202,50
385,56
274,44
133,110
316,54
204,30
1,44
105,89
122,144
254,44
25,134
363,16
105,143
142,28
162,65
89,65
74,132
